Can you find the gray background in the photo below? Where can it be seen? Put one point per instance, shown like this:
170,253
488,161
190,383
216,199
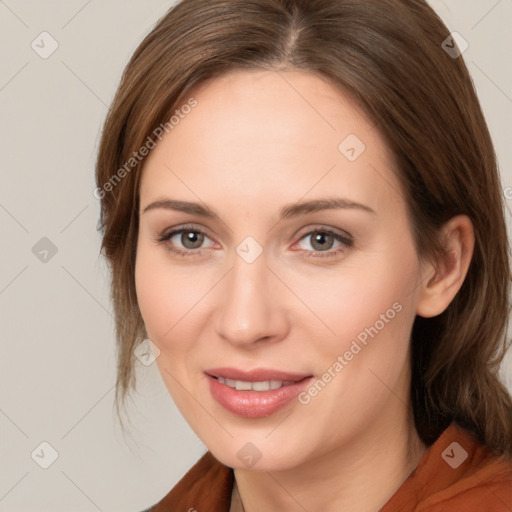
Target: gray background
57,365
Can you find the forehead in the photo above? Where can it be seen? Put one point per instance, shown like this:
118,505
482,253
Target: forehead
258,134
247,108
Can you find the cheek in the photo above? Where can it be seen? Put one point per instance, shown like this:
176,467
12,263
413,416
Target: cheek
369,309
372,315
151,294
345,302
171,297
156,293
163,303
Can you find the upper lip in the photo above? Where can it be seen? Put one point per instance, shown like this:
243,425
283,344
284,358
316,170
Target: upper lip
255,375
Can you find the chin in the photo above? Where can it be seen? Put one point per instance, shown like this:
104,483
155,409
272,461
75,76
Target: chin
257,455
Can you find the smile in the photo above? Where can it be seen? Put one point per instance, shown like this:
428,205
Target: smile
255,394
265,385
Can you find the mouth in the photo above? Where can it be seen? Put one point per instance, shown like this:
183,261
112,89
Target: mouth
256,375
255,393
263,385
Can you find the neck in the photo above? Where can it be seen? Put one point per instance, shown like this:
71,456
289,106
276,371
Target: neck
360,477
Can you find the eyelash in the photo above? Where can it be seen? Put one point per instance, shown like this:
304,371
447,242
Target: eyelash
346,241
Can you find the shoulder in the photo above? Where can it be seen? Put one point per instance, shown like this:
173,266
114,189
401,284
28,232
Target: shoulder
206,486
456,473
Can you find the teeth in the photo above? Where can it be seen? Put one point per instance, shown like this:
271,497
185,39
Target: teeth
266,385
274,384
243,386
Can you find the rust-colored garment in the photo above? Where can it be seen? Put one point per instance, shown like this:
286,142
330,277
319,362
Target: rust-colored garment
456,474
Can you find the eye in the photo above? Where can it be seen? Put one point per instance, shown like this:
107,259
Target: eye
322,240
188,241
185,241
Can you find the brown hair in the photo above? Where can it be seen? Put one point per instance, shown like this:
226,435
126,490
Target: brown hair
388,55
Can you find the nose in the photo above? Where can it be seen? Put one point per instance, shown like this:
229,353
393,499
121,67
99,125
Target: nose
251,305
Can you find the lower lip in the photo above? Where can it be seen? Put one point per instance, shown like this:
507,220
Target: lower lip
255,404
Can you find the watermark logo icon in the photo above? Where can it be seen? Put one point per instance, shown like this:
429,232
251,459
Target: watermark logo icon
249,454
352,147
44,45
44,250
454,455
249,250
146,352
455,45
44,455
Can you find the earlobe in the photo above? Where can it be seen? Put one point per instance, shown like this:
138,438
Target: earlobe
442,279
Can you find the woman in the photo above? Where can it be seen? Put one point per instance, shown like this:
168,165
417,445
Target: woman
301,209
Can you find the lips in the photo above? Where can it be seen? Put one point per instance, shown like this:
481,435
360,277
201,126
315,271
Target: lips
256,375
282,388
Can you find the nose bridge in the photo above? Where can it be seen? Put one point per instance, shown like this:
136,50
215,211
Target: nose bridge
247,310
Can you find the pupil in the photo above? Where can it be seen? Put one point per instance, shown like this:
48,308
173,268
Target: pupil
192,240
320,239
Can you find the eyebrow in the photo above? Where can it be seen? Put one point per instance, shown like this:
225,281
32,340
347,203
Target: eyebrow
287,212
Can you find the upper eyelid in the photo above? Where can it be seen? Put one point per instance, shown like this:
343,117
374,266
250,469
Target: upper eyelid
321,228
185,227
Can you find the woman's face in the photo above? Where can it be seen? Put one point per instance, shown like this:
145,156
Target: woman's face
274,245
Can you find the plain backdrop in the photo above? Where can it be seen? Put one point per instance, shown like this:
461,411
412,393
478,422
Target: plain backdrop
57,365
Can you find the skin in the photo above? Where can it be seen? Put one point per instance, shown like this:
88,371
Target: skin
257,141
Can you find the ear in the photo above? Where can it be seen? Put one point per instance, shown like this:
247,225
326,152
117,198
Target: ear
442,279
